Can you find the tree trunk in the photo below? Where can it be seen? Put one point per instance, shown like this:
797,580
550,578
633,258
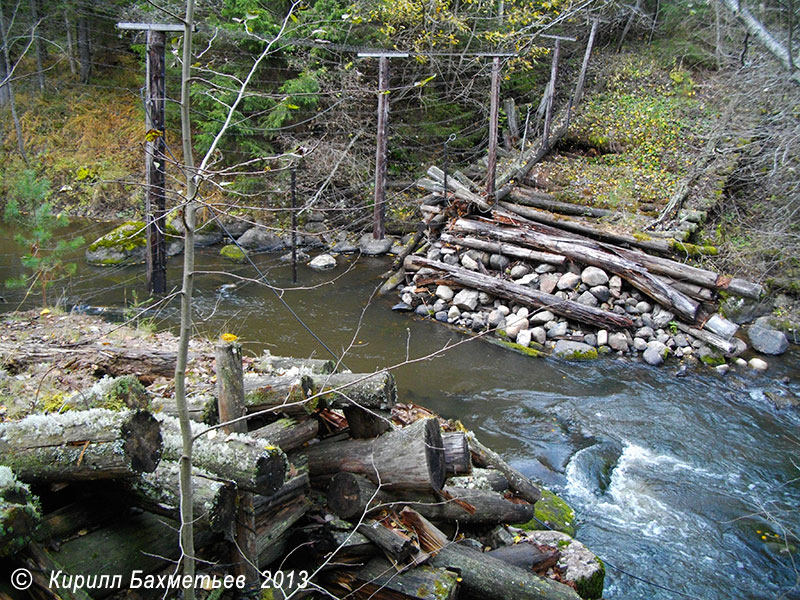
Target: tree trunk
232,457
279,365
84,49
81,445
20,514
528,197
394,544
525,295
527,556
38,47
287,433
481,479
214,501
280,395
9,88
342,390
70,49
379,580
411,458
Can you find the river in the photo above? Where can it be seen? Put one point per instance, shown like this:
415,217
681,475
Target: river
676,481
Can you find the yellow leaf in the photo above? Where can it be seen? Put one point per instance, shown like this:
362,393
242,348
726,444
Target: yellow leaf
228,337
153,134
45,311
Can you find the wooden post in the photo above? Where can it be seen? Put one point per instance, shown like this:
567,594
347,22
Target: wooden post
155,204
294,225
230,395
551,92
379,210
494,113
155,156
576,98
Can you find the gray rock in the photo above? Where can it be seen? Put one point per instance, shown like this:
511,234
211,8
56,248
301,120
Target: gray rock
742,310
441,316
522,312
590,339
499,536
601,292
466,300
602,337
577,563
662,317
548,282
757,364
558,330
588,299
645,332
402,307
721,326
478,322
539,335
766,340
423,310
496,318
485,298
514,325
233,227
498,262
530,278
639,344
469,263
323,262
570,350
524,337
680,340
644,307
453,313
592,276
440,305
655,353
518,271
615,283
545,268
618,342
258,238
504,310
722,369
450,259
372,247
434,253
542,317
568,281
315,227
344,247
445,293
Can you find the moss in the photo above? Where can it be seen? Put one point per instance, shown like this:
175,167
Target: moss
126,392
693,249
127,237
642,237
55,403
526,350
712,360
592,587
589,354
554,513
233,253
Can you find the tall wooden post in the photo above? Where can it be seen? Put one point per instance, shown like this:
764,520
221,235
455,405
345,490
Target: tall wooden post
294,225
379,210
551,92
494,115
155,156
155,204
230,398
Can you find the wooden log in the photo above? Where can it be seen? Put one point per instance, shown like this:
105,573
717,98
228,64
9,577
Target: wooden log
525,295
481,479
342,390
20,514
528,197
287,433
214,502
81,445
527,556
395,545
489,578
379,580
411,458
634,273
505,249
483,456
273,531
197,405
351,496
459,189
457,458
297,487
719,325
727,347
279,365
280,395
367,423
692,290
252,464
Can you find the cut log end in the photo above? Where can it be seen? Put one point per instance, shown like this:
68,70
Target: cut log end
434,452
142,441
270,471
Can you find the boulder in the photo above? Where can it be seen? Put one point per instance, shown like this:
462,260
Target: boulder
568,281
466,300
542,317
260,238
655,353
372,247
469,263
765,339
127,244
498,262
322,262
548,282
445,293
757,364
570,350
524,337
601,292
618,342
344,247
592,276
514,325
518,271
233,253
577,565
588,299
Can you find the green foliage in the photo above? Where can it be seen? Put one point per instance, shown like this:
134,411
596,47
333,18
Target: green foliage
28,207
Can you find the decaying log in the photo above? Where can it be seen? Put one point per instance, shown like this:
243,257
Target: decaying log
411,458
367,423
458,188
20,514
395,544
457,458
379,580
287,433
272,532
481,479
509,250
727,347
489,578
634,273
342,390
197,405
692,290
81,445
279,365
350,495
525,295
526,556
280,395
486,457
252,464
528,197
719,325
214,502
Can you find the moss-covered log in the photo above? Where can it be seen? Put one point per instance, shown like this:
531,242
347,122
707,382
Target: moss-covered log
379,580
287,433
284,394
368,390
20,514
254,465
411,458
281,365
81,445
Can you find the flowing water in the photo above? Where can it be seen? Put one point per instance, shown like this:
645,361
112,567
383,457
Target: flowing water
676,481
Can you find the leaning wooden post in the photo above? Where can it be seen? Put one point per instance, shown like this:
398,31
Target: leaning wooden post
551,92
576,98
230,397
494,113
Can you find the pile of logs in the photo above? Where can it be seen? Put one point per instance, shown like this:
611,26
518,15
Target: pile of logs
328,474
